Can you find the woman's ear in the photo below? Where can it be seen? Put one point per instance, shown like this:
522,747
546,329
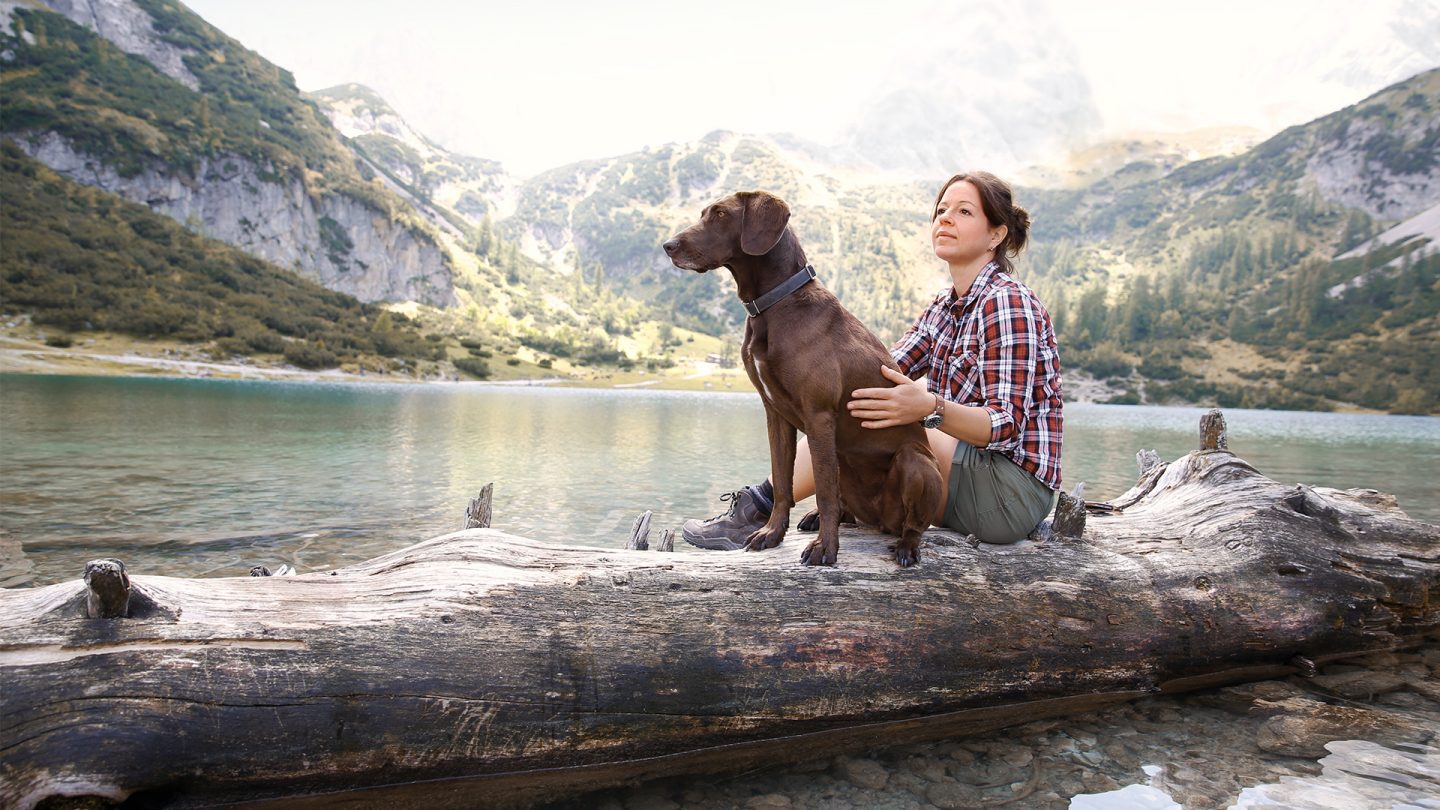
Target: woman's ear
997,235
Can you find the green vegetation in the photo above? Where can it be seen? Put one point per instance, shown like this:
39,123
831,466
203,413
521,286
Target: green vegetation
120,109
82,259
1240,248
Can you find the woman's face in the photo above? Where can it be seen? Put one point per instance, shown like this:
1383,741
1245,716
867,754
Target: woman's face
960,234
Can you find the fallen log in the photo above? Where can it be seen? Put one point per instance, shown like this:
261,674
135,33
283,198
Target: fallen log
480,668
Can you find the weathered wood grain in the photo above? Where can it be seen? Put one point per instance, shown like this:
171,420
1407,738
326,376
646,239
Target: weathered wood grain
484,668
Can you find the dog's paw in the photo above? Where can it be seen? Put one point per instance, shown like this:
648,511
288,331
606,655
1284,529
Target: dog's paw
906,556
811,521
817,553
764,538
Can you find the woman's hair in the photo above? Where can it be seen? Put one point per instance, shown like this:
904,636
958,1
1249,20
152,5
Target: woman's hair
1000,209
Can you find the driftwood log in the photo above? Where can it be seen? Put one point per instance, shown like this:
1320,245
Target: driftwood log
485,669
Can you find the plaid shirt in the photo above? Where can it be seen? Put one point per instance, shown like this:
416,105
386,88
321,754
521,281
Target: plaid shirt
994,347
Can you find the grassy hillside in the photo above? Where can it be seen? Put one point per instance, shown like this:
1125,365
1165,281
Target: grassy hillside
83,260
1150,276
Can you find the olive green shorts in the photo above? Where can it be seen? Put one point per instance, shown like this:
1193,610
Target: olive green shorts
992,497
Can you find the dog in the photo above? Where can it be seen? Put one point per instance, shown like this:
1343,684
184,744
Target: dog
805,353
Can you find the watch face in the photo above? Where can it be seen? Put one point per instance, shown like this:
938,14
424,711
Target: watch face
932,420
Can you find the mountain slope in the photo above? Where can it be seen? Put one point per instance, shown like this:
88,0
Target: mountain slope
182,118
1240,249
79,258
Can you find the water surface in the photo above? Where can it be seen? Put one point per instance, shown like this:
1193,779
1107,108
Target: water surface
210,477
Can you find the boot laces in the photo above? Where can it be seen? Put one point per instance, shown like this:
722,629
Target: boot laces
734,499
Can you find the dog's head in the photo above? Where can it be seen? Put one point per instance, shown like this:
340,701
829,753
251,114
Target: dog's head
749,223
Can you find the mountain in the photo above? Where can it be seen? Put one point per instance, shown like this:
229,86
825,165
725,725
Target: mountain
942,108
1299,272
80,259
426,173
1230,259
162,109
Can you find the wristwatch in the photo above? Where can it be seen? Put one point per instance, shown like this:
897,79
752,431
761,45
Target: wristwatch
935,417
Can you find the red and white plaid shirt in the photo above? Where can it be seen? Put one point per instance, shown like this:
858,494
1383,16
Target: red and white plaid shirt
994,347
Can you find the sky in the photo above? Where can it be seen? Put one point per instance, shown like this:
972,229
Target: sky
537,85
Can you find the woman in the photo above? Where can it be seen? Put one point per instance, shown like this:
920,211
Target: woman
990,390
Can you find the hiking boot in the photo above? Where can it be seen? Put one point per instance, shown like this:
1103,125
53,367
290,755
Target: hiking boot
729,530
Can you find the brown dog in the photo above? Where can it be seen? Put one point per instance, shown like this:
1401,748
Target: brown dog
805,353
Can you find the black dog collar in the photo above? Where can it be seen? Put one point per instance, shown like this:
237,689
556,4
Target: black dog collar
790,285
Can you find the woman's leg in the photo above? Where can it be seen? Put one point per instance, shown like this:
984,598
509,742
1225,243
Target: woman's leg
941,444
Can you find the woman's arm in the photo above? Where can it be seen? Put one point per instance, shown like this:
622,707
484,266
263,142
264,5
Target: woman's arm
1009,343
910,401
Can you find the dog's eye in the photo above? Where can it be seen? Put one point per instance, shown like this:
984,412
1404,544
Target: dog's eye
720,213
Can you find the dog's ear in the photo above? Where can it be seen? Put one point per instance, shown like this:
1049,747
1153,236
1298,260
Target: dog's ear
764,220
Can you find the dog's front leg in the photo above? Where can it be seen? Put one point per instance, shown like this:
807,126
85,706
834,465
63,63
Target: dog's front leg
782,479
824,459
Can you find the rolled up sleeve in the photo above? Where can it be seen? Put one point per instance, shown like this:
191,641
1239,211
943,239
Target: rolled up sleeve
1009,344
912,351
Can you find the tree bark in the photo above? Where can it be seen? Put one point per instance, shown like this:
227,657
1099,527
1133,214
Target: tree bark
483,668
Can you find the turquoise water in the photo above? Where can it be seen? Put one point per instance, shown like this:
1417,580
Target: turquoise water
210,477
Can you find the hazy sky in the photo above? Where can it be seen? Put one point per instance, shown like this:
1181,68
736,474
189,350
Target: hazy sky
538,84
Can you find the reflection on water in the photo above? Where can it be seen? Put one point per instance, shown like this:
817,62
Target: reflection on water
197,477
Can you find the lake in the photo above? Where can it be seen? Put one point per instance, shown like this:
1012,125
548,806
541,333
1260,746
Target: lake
210,477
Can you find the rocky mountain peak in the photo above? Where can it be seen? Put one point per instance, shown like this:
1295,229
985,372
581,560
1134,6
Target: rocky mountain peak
129,27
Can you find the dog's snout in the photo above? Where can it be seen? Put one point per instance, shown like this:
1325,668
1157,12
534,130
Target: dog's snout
671,246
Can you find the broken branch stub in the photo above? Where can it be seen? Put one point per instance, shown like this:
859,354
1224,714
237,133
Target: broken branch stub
107,589
640,533
1212,431
477,514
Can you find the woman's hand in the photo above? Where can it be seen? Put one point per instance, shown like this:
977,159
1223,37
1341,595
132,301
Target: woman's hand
909,401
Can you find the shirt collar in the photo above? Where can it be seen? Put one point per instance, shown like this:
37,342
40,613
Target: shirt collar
977,287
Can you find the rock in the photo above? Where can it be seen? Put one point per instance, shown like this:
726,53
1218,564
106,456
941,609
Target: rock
953,796
231,199
131,29
770,801
1362,685
1426,687
1302,727
933,771
906,782
1121,756
865,773
1097,782
1241,699
964,756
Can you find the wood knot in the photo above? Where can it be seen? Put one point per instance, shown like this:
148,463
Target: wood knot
1203,583
1306,501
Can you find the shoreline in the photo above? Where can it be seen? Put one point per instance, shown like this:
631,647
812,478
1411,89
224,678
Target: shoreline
18,356
26,357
